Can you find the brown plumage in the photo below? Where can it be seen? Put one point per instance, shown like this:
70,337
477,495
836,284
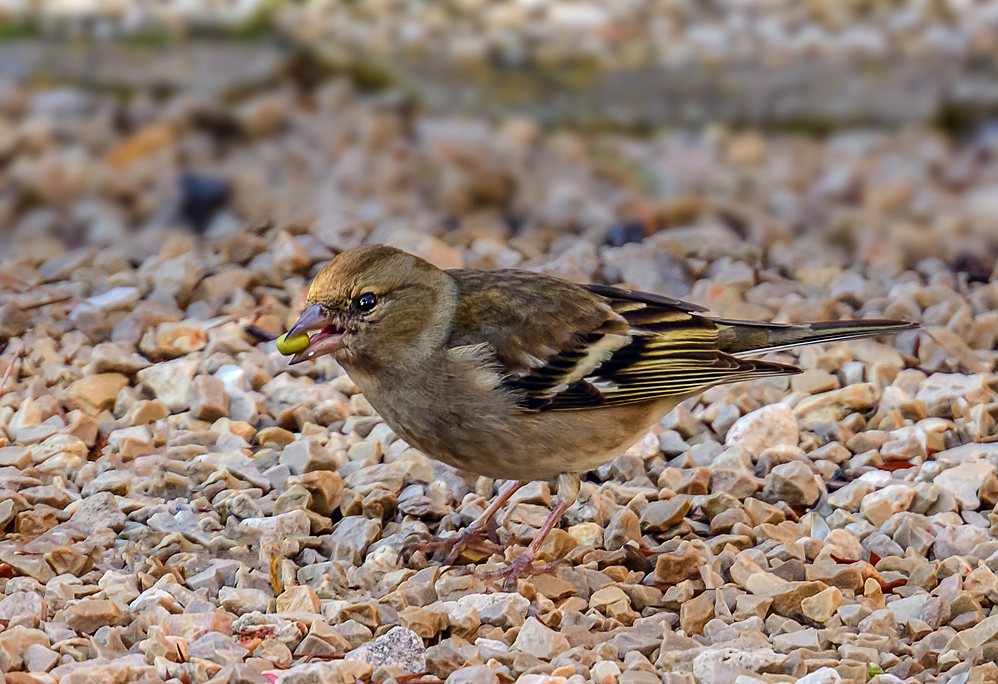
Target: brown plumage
517,375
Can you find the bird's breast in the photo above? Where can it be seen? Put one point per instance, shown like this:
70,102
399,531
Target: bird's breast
468,424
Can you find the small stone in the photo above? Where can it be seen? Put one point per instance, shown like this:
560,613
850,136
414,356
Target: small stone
649,267
975,637
14,641
720,666
659,516
831,407
759,430
814,381
683,563
822,606
295,497
264,114
879,506
289,255
540,641
274,651
851,496
824,675
34,523
604,669
298,599
427,624
623,527
941,390
95,393
178,276
208,399
325,487
330,672
193,626
964,481
279,527
62,267
173,339
803,638
792,483
399,647
610,601
355,633
434,250
473,674
90,615
98,512
158,645
27,565
241,601
280,437
503,610
880,622
305,455
24,606
8,510
38,658
143,412
787,596
13,321
959,540
169,381
15,456
696,613
315,645
352,536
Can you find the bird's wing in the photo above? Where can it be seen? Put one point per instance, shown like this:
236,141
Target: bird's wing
562,346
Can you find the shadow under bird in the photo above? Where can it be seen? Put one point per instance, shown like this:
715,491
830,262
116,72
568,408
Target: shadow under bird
520,376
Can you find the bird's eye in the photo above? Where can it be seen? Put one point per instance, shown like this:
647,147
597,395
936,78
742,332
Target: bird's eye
366,302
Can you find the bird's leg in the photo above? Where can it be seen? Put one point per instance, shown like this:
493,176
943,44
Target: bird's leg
471,536
568,491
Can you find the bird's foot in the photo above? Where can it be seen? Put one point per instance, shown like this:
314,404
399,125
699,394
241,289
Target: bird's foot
521,565
469,539
524,563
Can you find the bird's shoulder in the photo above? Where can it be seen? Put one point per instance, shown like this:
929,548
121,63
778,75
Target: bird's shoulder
527,318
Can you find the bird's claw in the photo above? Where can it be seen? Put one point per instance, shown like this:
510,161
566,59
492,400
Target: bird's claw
521,565
466,540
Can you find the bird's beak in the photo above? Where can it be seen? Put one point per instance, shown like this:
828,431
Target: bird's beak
327,340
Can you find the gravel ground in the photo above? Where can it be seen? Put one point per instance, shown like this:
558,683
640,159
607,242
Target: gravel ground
610,33
636,64
178,505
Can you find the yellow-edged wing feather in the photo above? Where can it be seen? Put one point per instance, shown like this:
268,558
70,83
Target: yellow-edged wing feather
561,346
666,351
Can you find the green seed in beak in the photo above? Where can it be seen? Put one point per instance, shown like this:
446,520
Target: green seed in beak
293,345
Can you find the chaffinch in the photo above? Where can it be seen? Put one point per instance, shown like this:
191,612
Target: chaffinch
521,376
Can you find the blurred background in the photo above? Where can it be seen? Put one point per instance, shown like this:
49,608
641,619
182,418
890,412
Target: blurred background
771,159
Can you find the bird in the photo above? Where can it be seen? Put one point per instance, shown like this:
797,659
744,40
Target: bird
521,376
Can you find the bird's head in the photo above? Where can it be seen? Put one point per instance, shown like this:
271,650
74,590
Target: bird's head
374,306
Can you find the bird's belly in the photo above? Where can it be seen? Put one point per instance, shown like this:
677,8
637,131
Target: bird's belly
532,446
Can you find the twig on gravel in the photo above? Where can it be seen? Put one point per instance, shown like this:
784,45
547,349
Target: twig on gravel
236,316
8,280
47,302
260,334
970,362
308,657
10,366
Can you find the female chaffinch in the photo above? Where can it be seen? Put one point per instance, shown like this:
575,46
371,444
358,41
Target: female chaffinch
521,376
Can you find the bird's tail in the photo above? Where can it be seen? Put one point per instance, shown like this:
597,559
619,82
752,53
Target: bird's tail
740,338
